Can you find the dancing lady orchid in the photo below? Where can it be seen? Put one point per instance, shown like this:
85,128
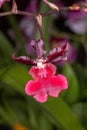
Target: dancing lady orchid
46,82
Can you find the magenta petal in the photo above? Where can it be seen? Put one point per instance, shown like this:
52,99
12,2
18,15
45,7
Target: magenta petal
34,71
51,70
54,92
41,96
57,84
46,72
32,87
63,81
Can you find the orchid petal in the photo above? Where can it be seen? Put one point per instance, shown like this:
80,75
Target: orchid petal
41,96
57,84
32,87
39,48
58,59
58,53
59,81
23,59
37,89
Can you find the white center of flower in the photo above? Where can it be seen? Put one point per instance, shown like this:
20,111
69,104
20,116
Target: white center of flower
40,63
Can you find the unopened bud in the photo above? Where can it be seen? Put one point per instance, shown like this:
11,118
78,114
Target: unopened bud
85,9
39,19
74,7
14,7
51,5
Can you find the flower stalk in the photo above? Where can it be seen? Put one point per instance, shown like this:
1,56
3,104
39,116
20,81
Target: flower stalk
54,9
39,24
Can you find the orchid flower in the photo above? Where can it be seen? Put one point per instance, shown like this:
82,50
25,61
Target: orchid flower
45,82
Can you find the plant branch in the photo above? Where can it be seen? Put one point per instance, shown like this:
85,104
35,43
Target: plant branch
39,23
73,7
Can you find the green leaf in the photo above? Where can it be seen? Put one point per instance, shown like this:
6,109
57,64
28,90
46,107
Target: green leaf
6,49
62,113
44,124
81,70
3,114
73,92
16,76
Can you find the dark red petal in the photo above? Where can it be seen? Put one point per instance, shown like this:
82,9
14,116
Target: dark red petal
33,87
57,84
23,59
38,47
58,59
58,54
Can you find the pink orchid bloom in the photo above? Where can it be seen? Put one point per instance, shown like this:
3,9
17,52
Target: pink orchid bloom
2,2
45,82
